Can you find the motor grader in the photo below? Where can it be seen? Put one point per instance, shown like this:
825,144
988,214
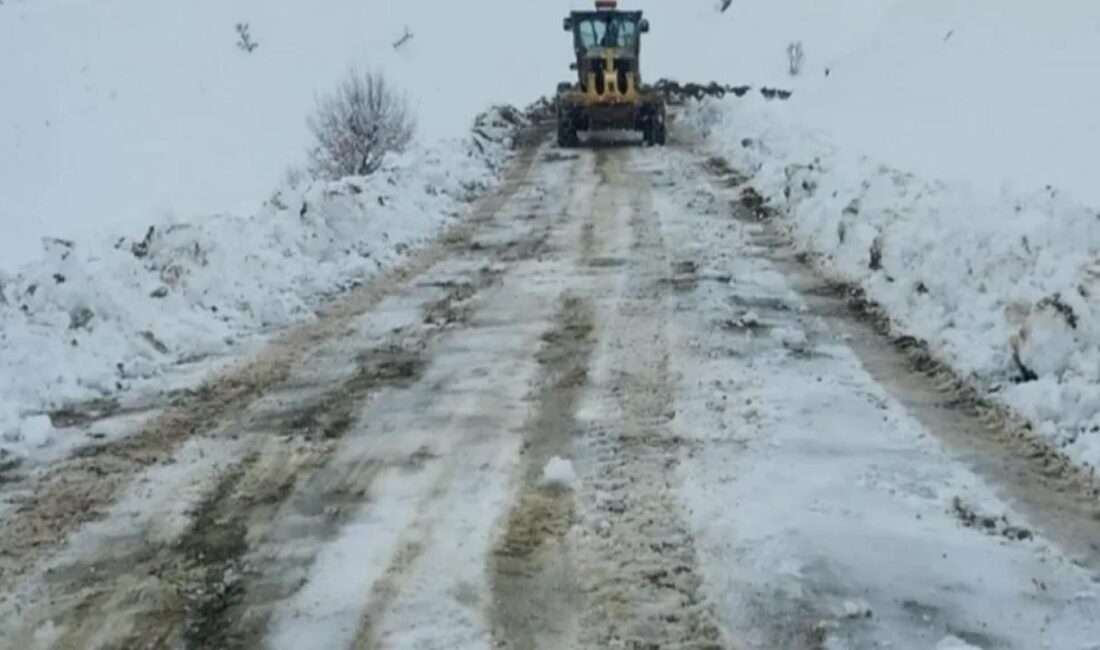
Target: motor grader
608,94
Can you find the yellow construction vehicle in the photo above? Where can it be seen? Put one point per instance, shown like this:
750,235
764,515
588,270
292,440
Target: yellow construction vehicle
608,93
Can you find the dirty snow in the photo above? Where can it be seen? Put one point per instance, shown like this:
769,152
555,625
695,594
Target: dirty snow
822,507
728,480
411,558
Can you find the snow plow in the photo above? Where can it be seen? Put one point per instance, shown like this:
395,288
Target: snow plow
608,94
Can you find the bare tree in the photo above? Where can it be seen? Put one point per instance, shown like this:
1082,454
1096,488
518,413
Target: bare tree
244,31
357,125
796,57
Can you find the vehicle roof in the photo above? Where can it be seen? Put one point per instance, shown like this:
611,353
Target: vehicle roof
605,13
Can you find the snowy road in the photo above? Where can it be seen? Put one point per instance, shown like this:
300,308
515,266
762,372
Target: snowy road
750,464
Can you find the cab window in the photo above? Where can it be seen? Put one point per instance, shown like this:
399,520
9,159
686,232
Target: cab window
608,32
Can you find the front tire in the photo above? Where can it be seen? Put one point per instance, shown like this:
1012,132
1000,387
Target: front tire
567,131
660,138
654,132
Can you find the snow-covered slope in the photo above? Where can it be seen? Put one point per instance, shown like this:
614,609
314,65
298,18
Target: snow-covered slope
986,91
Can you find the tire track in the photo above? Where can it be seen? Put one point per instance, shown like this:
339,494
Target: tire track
386,590
534,591
187,594
484,260
329,501
190,593
217,545
640,578
78,491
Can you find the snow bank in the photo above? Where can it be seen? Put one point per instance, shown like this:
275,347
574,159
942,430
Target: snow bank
90,321
1004,286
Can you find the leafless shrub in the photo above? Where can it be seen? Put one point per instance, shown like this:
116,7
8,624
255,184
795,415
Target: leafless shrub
357,125
245,42
405,38
796,58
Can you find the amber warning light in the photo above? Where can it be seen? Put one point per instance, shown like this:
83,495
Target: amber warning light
606,5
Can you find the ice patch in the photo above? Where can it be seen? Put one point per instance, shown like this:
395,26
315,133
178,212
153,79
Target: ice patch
559,472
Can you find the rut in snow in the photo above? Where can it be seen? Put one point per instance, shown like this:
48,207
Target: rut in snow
642,583
535,594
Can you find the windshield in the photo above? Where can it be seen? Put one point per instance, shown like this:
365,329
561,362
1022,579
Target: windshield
610,31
